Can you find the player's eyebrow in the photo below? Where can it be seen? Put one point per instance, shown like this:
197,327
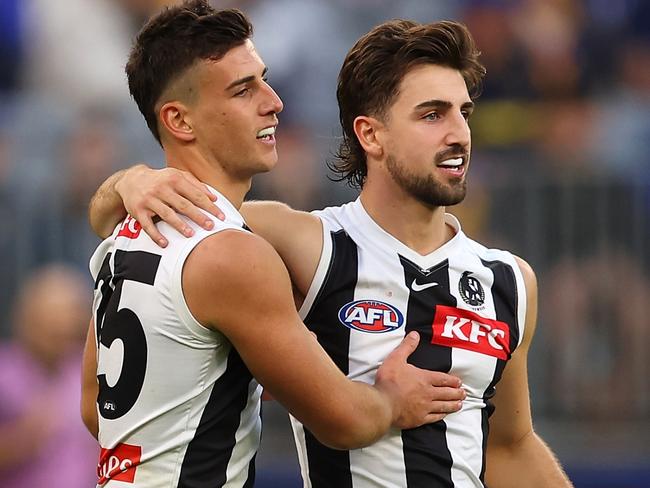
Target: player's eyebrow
246,79
442,104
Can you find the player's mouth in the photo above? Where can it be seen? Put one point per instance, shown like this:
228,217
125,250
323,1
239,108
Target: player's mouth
453,166
267,135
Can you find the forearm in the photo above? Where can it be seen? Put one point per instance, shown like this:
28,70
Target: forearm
106,208
358,423
528,463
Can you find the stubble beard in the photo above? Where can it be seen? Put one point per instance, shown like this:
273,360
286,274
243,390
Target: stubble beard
427,189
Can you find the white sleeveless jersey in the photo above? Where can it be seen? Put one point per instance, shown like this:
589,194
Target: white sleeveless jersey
177,406
467,302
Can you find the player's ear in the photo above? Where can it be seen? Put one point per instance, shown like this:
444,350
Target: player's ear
175,119
368,132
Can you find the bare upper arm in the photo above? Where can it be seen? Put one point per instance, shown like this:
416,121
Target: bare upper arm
235,282
512,417
297,237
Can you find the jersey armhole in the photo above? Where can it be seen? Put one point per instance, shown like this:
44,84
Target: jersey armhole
321,271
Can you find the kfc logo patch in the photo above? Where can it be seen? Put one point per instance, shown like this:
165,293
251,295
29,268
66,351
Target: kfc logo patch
119,463
454,327
130,228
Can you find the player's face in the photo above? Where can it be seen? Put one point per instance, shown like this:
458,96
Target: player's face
428,137
235,112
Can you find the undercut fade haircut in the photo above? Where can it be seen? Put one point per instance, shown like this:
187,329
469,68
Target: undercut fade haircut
373,69
172,41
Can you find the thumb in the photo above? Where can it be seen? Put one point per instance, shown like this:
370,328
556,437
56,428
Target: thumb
406,347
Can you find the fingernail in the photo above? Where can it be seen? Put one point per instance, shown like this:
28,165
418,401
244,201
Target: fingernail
188,232
222,216
208,224
162,242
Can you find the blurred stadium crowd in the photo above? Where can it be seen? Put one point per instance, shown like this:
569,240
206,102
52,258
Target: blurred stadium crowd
560,175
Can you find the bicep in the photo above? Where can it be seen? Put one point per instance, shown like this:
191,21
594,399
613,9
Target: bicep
247,297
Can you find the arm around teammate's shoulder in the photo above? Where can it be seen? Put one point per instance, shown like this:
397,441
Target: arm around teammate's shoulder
297,236
235,282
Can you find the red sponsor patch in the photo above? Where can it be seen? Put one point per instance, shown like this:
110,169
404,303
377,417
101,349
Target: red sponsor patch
130,228
119,463
454,327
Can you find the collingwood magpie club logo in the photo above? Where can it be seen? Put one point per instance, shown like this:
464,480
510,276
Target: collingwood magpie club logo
471,290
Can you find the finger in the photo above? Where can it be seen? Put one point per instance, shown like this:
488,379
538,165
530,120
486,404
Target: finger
200,185
443,393
152,231
438,378
405,348
184,198
187,208
432,418
201,196
172,218
445,407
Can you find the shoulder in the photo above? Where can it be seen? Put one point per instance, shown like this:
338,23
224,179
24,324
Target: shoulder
530,282
230,254
528,274
231,271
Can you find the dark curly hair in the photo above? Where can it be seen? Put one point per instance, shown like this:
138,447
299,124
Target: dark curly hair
373,69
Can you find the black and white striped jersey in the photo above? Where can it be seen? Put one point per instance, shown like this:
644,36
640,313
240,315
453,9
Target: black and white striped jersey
177,406
467,302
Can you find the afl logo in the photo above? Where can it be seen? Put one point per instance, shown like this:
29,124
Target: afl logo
470,290
371,316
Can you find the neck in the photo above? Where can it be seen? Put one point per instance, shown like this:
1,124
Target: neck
419,226
211,173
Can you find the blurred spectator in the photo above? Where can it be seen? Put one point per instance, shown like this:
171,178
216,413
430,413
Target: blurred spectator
549,32
620,142
596,330
76,50
42,439
88,153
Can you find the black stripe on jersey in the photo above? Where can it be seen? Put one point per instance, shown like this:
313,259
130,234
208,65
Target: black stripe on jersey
327,467
426,454
504,296
209,452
